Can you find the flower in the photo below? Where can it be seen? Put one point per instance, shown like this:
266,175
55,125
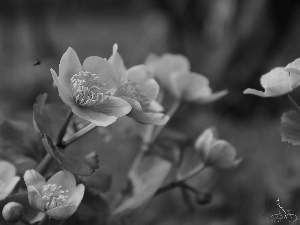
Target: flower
173,73
216,152
58,198
138,87
8,178
89,89
279,81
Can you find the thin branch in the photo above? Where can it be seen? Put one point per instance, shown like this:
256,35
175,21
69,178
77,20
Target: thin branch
294,103
78,134
64,127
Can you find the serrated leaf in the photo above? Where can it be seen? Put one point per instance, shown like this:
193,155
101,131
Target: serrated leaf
144,179
80,164
98,182
48,119
290,128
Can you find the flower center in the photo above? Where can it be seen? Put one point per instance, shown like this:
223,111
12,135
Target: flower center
53,196
88,89
132,90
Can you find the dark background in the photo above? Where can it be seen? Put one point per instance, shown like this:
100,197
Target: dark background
232,42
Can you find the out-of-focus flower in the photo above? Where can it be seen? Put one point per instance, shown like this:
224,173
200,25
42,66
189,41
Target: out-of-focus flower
89,89
215,152
279,81
8,178
138,87
58,198
173,73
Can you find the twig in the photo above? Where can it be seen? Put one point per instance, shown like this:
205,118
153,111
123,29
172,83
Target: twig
293,103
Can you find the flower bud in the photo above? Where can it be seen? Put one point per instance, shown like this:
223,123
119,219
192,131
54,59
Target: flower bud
203,198
12,212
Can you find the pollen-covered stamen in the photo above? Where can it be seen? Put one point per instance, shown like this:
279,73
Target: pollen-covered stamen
133,90
53,196
88,89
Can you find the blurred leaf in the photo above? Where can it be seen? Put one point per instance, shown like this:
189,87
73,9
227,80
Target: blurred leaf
99,182
144,178
290,128
93,210
47,120
80,164
22,198
18,138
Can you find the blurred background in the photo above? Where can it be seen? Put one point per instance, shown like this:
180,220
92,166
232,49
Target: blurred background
231,42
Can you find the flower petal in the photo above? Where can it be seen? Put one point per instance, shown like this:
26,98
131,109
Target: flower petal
103,69
98,119
7,172
168,63
138,74
35,198
10,187
223,155
276,82
77,196
143,117
61,213
64,93
114,107
189,86
155,106
294,67
117,61
69,66
65,179
33,178
213,97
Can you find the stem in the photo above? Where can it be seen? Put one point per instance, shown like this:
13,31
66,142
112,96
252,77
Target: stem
78,134
170,113
44,164
41,168
44,220
64,127
180,182
293,103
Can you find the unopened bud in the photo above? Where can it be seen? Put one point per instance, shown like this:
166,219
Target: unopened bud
203,198
12,212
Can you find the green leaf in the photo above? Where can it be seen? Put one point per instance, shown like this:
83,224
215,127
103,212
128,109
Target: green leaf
144,179
290,128
19,144
48,120
98,182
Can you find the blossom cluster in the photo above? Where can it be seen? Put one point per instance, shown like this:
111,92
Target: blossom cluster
102,90
99,91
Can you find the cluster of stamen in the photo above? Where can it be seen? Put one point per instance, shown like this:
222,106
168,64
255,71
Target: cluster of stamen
53,196
133,90
88,89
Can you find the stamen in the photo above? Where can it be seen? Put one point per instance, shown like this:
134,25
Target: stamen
133,90
53,196
88,89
